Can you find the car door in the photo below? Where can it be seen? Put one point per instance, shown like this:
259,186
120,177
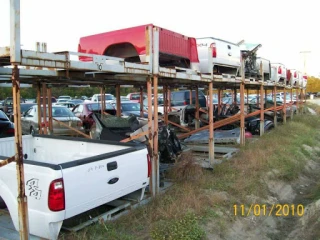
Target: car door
26,121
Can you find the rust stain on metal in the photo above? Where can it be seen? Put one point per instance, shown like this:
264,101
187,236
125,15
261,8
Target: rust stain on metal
22,200
7,161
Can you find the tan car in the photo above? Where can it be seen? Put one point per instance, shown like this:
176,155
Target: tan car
29,121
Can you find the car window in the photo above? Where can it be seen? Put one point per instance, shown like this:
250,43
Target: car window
107,97
130,107
3,116
61,112
97,106
29,113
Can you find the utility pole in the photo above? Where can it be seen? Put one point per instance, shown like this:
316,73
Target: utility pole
305,60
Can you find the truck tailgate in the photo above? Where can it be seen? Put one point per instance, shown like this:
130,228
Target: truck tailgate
93,181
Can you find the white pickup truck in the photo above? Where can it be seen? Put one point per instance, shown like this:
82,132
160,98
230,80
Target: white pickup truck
225,56
68,176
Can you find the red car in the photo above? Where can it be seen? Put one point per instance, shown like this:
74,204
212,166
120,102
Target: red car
85,110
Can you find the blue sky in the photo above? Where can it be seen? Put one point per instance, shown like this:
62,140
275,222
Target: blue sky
284,28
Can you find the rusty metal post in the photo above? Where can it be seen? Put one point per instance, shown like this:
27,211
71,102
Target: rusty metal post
50,110
44,106
169,99
165,104
211,133
141,102
190,96
39,107
262,100
118,99
284,105
291,106
274,92
155,164
15,45
150,134
242,117
102,99
235,96
197,125
219,100
298,100
22,199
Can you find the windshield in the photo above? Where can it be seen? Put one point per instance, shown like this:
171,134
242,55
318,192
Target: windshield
61,112
108,97
3,116
130,106
97,107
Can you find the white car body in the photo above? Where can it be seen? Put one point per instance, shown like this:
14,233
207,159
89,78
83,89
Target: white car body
225,56
293,77
300,79
84,173
97,98
278,73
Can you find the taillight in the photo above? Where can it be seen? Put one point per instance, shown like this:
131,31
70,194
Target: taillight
279,70
10,131
295,75
305,77
185,103
44,124
149,165
214,50
56,201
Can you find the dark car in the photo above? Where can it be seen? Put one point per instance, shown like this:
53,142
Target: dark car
23,108
85,110
181,98
6,126
131,108
7,105
53,100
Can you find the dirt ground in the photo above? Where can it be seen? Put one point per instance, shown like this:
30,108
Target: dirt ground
304,191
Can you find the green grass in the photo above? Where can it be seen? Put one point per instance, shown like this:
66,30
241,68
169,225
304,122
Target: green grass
183,211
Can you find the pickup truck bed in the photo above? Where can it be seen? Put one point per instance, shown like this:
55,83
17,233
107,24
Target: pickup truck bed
68,176
132,44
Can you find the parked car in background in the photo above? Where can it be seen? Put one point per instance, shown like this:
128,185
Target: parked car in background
23,108
131,108
29,121
65,97
69,105
53,100
135,97
6,126
75,101
7,105
225,56
108,98
278,73
85,110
